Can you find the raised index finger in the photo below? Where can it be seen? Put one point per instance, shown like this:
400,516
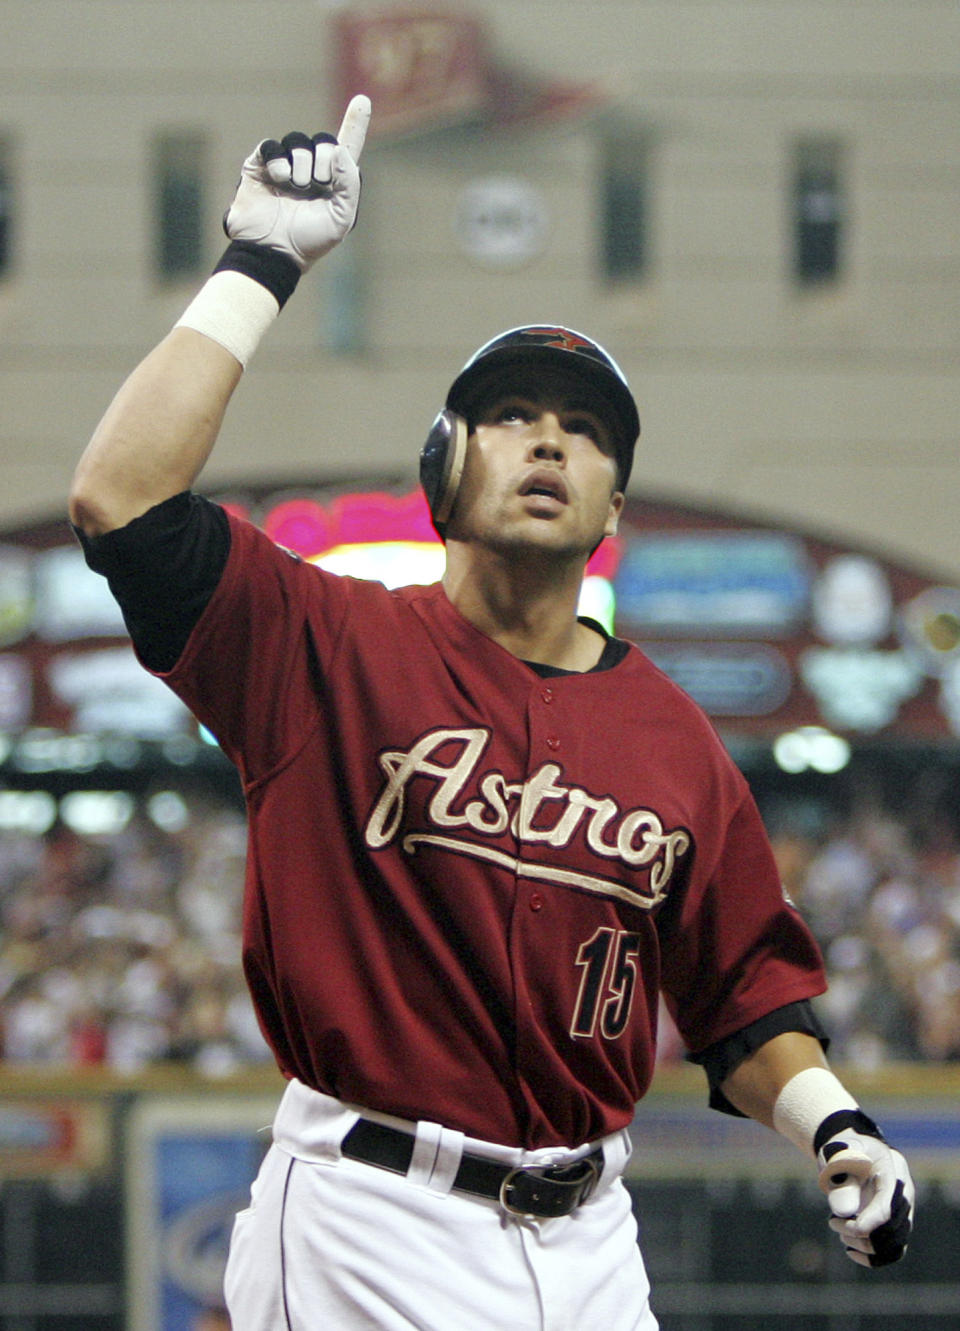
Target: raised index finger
353,128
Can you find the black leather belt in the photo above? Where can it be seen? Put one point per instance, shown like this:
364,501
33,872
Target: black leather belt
544,1192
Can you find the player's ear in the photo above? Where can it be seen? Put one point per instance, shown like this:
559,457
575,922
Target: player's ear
441,465
613,513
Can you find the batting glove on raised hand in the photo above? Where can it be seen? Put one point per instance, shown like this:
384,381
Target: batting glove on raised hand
300,195
868,1188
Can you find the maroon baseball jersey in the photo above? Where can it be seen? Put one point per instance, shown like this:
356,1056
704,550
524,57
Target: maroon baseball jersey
467,884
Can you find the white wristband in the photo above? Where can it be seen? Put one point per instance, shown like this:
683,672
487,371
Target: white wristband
805,1102
233,310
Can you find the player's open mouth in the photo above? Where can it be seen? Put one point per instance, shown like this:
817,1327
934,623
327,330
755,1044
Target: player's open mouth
545,484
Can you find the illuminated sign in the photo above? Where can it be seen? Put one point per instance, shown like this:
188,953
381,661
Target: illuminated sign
731,583
109,691
739,679
769,631
394,563
390,538
852,601
859,689
931,627
71,600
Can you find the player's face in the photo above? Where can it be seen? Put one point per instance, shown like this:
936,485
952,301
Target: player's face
540,469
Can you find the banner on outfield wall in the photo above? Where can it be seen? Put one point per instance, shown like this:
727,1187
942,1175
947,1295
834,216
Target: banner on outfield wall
190,1162
771,630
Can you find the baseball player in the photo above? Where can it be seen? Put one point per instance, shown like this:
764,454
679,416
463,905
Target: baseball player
484,836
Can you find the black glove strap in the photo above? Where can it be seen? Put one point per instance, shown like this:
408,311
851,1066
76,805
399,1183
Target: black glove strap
845,1118
890,1239
271,268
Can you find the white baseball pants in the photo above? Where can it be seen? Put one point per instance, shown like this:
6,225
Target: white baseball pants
330,1244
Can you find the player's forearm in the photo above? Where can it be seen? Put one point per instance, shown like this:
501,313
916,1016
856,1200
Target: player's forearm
296,200
755,1084
787,1085
157,433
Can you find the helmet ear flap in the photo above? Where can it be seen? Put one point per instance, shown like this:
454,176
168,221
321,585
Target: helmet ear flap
441,464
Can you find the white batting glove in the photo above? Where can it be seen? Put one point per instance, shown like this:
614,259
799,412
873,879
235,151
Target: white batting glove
868,1188
300,195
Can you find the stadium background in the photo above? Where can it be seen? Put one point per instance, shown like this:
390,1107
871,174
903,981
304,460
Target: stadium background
753,203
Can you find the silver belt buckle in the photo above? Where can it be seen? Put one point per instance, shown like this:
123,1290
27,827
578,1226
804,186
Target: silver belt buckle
585,1184
505,1187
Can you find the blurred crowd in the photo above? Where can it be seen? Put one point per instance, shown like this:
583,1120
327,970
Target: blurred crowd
881,892
123,950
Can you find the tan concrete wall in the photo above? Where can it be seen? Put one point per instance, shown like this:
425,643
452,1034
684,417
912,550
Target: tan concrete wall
836,411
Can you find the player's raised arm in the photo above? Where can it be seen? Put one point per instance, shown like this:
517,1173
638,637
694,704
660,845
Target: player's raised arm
297,199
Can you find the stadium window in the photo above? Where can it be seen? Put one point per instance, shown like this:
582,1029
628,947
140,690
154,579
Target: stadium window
624,188
6,208
817,200
179,159
343,327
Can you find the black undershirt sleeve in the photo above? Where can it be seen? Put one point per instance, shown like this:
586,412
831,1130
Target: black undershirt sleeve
163,568
720,1059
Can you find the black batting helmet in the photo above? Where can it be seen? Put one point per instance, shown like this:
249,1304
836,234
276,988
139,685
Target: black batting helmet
441,459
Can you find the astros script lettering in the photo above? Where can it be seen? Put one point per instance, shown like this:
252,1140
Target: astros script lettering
451,759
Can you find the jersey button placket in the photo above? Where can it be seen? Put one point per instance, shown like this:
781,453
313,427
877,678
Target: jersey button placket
552,739
543,735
